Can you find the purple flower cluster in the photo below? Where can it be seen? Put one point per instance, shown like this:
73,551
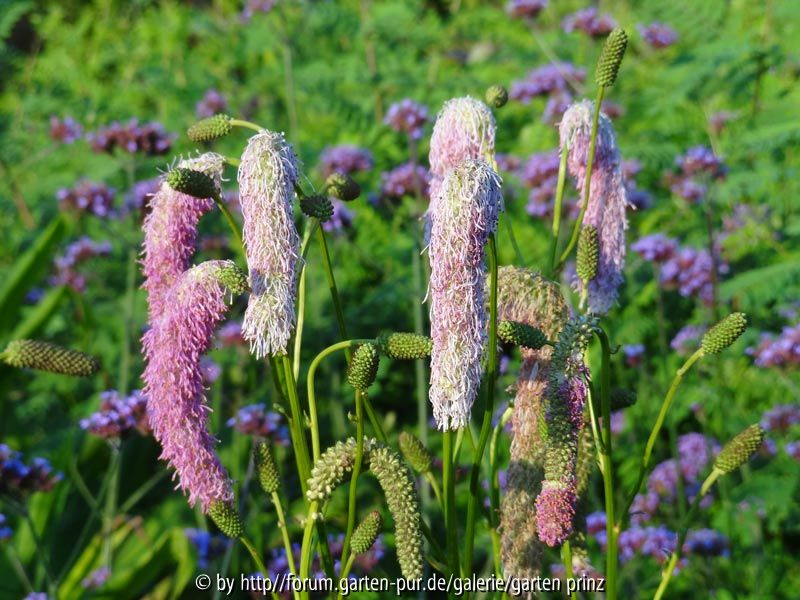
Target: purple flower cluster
697,166
138,198
792,450
658,35
18,478
540,173
687,340
341,219
87,196
637,198
690,272
66,130
525,9
212,103
76,253
345,159
210,370
718,120
5,531
782,351
634,354
208,545
407,116
780,418
96,578
252,7
552,80
150,138
656,542
231,334
403,181
656,248
589,22
256,420
118,415
706,542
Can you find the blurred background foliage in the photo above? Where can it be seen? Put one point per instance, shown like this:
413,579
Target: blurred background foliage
326,73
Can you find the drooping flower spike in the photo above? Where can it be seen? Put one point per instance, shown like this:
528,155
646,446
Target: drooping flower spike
267,177
170,231
607,198
463,216
173,377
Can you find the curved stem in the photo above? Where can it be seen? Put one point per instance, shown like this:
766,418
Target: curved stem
587,184
312,400
351,504
651,441
557,208
488,408
246,125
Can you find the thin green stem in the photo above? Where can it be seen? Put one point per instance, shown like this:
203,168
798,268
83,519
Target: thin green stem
352,500
494,489
41,550
256,558
142,490
16,563
651,441
296,425
301,296
234,227
306,549
110,509
450,501
587,184
346,571
513,239
246,125
557,209
436,549
337,305
666,574
488,409
435,487
287,543
566,558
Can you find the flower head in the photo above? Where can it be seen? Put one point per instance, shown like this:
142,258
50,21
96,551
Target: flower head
407,116
345,159
267,176
658,35
463,216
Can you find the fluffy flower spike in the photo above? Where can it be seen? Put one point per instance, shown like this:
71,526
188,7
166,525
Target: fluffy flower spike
607,200
267,176
463,216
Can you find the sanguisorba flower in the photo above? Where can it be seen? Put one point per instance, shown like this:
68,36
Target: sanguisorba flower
170,231
607,198
173,377
463,215
464,128
267,176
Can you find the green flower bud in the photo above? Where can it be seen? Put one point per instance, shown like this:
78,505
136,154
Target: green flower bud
415,453
521,334
739,450
611,58
724,333
622,398
226,518
210,129
363,367
234,279
405,346
397,484
343,187
332,467
267,470
588,254
192,183
33,354
318,206
496,96
366,533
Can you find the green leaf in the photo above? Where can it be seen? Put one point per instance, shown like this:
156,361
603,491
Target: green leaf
40,315
30,266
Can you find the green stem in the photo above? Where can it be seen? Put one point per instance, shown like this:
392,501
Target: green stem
494,489
666,574
246,124
435,487
312,400
513,239
337,305
229,219
13,558
346,570
301,296
651,441
587,184
142,490
450,501
566,558
41,551
110,510
287,543
306,549
557,209
256,558
351,504
488,408
436,549
296,425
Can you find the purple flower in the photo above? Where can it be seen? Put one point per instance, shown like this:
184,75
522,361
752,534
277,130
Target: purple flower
231,334
595,523
407,116
656,248
208,545
345,159
607,201
463,214
540,168
658,35
687,340
464,129
211,371
341,219
150,139
192,308
66,130
548,79
96,578
37,596
555,510
252,7
267,176
700,160
87,196
695,452
634,353
589,22
170,231
118,415
782,351
77,252
403,181
690,271
781,418
213,102
689,189
525,9
706,542
792,449
256,420
508,162
18,478
5,531
139,197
